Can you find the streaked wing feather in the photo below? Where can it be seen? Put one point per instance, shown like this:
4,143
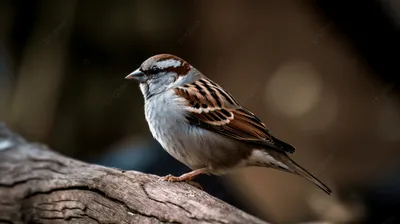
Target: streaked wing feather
212,108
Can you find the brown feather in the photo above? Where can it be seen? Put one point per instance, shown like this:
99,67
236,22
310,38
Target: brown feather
212,108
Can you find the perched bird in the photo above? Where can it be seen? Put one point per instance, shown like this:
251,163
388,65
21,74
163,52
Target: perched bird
200,124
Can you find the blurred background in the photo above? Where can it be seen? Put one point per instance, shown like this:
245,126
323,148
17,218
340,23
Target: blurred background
321,74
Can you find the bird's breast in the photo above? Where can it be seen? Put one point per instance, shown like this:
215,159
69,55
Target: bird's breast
168,126
191,145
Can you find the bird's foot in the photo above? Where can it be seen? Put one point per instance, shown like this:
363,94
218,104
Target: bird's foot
171,178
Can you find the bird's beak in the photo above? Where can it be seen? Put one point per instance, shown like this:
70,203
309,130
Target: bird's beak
137,75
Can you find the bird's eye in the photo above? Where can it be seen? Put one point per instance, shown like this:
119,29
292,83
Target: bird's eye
155,69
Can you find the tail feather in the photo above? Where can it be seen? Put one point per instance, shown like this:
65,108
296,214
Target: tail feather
307,175
287,147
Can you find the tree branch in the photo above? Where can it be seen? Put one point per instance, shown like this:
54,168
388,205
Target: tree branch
38,185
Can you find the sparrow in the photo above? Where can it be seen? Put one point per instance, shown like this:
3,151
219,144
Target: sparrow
203,126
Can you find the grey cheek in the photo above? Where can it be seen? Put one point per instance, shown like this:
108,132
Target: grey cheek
145,90
154,85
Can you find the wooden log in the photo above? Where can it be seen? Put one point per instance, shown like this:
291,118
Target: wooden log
38,185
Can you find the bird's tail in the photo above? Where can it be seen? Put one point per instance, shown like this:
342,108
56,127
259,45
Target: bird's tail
307,175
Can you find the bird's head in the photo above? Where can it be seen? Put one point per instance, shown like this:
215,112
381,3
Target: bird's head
160,73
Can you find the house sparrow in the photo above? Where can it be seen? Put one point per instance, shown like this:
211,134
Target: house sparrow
200,124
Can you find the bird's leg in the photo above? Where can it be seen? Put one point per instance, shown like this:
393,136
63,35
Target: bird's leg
186,177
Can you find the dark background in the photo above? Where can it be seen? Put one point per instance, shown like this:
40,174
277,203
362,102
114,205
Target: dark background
322,75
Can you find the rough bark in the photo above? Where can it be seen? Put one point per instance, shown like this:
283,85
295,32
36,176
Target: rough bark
38,185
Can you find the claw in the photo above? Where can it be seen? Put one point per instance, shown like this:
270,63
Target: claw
171,178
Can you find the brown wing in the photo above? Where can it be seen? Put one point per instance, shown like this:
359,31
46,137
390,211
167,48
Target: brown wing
212,108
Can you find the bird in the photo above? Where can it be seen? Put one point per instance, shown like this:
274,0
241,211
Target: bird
203,126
